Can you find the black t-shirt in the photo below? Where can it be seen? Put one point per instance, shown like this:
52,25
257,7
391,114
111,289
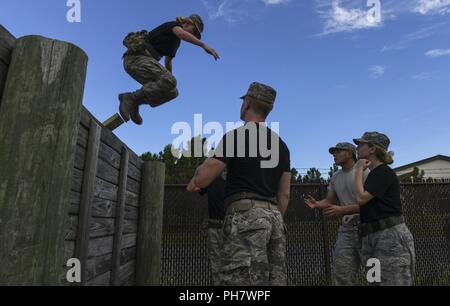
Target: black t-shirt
216,196
253,170
163,41
383,184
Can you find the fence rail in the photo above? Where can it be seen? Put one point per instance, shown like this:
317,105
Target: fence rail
310,237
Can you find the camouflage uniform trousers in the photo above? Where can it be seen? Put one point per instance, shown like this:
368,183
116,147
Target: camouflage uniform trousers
346,257
215,249
394,247
254,249
159,85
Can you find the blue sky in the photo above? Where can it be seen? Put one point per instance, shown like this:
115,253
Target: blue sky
337,73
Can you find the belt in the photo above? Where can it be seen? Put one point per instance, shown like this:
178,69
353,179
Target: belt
370,228
247,204
249,196
212,223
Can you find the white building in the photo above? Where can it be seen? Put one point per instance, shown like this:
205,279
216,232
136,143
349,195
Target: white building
437,168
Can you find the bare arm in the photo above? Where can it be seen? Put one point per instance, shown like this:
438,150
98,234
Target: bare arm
206,173
168,63
188,37
284,191
330,199
362,196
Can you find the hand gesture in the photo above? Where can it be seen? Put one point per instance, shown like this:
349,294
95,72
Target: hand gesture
212,52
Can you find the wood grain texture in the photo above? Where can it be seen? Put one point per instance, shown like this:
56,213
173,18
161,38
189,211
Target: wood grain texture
38,130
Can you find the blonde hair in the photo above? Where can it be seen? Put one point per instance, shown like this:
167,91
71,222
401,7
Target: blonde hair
384,156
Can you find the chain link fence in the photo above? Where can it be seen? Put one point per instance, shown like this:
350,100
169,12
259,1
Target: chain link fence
310,237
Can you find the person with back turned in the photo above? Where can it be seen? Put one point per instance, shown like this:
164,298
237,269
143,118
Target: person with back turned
256,197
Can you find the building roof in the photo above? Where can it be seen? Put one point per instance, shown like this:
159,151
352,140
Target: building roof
423,161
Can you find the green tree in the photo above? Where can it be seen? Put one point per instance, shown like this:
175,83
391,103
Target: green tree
313,176
333,170
180,163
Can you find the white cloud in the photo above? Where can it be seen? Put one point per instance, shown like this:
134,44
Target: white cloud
438,52
422,76
342,19
377,71
275,2
409,39
425,7
235,10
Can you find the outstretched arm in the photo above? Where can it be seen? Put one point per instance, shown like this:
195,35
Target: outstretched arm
323,204
188,37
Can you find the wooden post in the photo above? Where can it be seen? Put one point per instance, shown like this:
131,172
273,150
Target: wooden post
120,214
87,194
148,259
39,119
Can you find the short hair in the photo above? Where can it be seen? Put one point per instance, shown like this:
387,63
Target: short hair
260,107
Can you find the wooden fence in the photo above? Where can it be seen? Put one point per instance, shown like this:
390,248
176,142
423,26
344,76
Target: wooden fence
69,188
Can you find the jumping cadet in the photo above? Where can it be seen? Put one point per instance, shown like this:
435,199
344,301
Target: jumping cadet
141,62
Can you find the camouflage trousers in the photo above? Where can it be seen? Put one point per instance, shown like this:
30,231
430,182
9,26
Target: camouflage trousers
215,248
394,248
158,84
346,257
254,249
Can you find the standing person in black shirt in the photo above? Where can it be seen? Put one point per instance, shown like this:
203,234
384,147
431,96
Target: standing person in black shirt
256,196
142,64
216,214
384,233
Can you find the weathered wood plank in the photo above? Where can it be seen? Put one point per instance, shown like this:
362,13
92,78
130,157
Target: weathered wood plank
102,246
74,203
134,173
105,190
72,226
7,42
101,208
114,142
109,155
80,158
132,199
102,280
133,186
39,117
119,220
87,194
69,250
131,213
83,135
127,272
3,75
77,180
107,172
86,118
99,227
97,266
150,224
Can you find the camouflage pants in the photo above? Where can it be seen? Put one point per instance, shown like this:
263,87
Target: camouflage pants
346,257
159,85
215,247
394,247
254,249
